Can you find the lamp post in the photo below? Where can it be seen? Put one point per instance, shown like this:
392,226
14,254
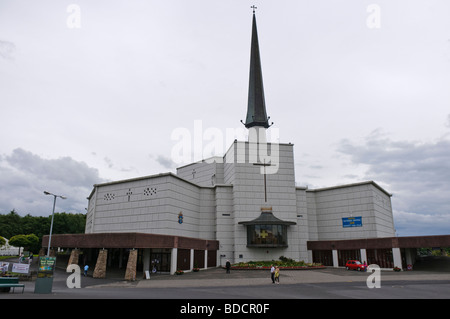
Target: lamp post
53,213
44,280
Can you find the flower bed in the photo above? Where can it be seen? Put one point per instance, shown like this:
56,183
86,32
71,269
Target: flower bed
235,267
282,264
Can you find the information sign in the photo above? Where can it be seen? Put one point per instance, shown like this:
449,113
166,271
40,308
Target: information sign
44,280
46,265
352,221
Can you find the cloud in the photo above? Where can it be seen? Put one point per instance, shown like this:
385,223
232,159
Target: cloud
65,169
26,175
410,224
417,173
165,162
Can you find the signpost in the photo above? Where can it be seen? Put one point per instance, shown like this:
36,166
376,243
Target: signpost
44,280
352,221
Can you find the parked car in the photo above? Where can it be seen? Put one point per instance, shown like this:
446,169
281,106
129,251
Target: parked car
354,265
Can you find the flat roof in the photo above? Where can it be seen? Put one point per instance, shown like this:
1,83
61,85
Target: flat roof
154,176
128,240
381,242
349,185
143,178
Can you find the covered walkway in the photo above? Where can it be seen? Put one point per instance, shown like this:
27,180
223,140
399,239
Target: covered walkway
136,251
388,252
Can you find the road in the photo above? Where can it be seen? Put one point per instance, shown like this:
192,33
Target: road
172,296
329,283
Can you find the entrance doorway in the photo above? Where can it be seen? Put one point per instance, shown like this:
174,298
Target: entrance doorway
160,260
324,257
381,257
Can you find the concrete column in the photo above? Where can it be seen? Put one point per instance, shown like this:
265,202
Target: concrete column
409,256
363,256
397,256
310,256
100,266
206,258
335,258
146,260
173,260
74,256
191,261
130,273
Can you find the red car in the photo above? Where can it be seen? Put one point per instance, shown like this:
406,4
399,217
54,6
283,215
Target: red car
354,264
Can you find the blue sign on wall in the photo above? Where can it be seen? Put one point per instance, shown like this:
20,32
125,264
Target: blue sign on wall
352,221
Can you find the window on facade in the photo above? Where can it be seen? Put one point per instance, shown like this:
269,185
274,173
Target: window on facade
266,235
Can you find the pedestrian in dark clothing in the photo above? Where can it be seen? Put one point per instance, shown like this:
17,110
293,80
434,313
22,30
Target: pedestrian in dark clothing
272,273
228,266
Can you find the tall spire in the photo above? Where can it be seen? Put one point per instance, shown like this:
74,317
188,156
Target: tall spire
256,108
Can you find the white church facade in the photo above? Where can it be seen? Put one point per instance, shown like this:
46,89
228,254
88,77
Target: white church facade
222,198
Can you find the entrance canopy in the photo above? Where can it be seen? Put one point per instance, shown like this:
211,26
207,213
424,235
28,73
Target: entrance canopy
267,230
386,242
129,240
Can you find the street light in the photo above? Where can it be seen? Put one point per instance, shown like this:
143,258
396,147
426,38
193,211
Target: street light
53,213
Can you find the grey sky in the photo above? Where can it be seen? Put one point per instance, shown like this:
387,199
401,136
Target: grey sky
83,105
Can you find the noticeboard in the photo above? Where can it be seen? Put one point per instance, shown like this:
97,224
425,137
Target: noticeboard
46,266
20,268
44,280
352,221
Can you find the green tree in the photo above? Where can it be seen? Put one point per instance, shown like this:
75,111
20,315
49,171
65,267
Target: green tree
64,223
29,242
10,224
18,241
13,224
33,243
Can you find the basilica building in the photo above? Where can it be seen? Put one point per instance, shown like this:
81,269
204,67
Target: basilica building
242,206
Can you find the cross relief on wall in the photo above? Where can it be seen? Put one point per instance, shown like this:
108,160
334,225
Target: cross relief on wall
148,192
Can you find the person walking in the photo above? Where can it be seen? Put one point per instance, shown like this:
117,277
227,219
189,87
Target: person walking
272,273
228,266
277,275
86,267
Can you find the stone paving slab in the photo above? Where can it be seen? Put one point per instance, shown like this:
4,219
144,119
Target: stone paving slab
217,277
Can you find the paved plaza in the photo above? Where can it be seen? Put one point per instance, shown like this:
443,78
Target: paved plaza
426,282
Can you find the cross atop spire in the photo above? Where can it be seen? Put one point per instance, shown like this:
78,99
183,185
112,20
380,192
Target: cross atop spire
254,8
